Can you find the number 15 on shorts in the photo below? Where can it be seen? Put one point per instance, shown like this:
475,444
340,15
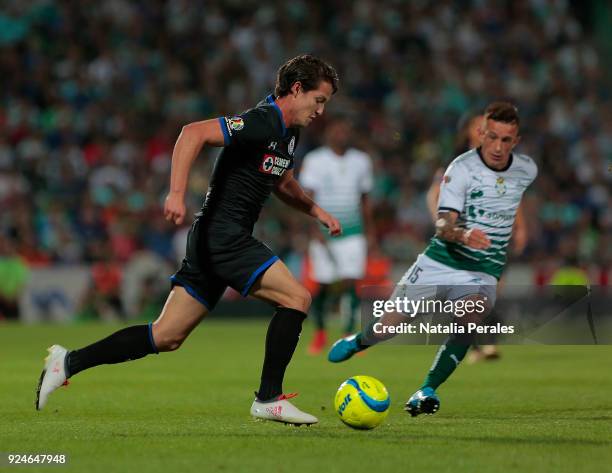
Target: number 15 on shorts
413,277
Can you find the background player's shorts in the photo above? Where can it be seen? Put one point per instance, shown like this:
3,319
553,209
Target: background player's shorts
429,279
340,258
218,256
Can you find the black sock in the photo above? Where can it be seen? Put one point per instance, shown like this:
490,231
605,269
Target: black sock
281,340
127,344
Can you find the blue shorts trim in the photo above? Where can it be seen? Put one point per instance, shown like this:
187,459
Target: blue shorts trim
256,273
190,290
151,338
226,137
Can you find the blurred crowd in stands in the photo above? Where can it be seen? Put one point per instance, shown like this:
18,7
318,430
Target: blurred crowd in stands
94,95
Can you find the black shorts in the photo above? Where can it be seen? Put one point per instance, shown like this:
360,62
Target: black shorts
220,256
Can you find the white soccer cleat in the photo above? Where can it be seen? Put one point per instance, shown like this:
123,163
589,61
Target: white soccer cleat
281,410
53,375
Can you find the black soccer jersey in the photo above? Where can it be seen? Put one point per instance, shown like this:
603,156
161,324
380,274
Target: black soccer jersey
258,150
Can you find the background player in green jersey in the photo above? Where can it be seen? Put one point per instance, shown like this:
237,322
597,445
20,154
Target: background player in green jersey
339,177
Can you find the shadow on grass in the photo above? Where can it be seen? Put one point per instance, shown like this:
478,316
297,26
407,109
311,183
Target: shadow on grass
412,436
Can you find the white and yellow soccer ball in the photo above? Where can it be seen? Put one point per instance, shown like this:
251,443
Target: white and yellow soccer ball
362,402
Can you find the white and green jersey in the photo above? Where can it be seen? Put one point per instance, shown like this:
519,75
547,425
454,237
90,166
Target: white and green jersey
486,199
338,182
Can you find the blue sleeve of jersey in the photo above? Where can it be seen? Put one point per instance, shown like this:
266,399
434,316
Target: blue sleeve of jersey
226,136
256,126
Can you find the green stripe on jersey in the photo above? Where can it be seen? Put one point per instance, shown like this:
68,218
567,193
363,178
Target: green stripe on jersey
460,257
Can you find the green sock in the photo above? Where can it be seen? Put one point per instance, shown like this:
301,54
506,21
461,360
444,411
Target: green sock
448,358
366,338
317,309
352,307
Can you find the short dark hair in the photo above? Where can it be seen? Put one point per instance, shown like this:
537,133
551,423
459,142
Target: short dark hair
504,112
307,70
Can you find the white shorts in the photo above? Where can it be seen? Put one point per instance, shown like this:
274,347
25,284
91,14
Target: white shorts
341,258
429,279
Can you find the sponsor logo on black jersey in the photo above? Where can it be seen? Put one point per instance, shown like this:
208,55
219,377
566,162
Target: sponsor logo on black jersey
275,165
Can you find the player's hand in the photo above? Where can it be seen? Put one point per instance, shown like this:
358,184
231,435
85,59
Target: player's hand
476,239
174,208
331,223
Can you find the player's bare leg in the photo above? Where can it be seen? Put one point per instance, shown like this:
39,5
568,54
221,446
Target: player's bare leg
179,317
278,287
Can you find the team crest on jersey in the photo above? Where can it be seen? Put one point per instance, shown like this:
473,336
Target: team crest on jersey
291,145
500,186
235,123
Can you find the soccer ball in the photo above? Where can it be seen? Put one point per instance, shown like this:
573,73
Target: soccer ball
362,402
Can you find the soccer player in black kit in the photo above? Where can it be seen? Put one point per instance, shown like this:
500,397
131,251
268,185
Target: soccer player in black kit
257,159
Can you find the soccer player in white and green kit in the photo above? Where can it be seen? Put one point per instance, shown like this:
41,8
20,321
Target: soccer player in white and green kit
479,196
339,178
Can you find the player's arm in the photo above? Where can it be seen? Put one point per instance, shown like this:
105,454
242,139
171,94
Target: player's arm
188,145
315,229
433,194
368,220
291,193
310,181
448,230
453,189
519,232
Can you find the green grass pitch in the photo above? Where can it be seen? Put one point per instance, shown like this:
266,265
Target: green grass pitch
539,409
